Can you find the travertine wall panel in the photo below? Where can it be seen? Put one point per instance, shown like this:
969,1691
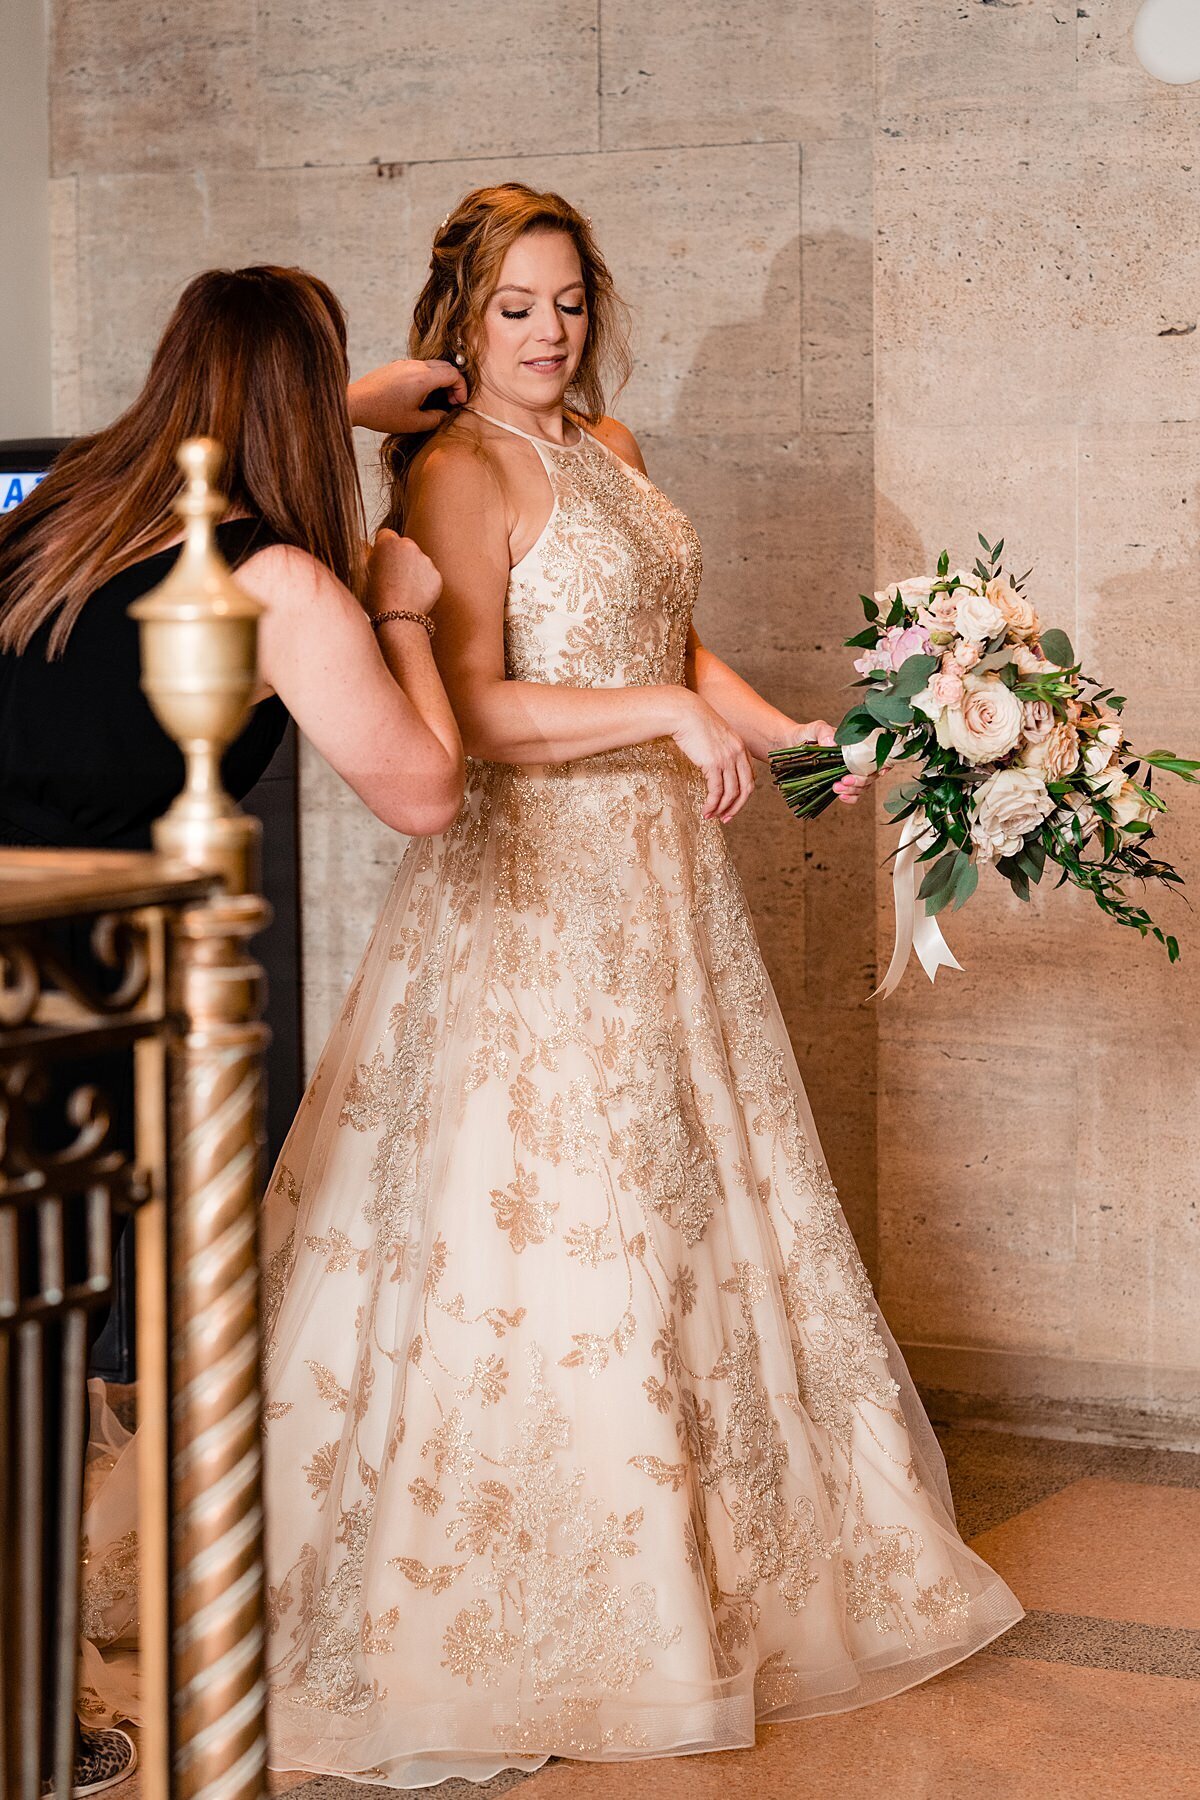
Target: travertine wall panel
137,85
677,73
373,82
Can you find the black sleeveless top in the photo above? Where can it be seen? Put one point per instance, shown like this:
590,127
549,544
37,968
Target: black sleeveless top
84,764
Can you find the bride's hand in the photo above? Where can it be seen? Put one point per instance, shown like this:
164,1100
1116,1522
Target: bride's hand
819,731
718,753
392,398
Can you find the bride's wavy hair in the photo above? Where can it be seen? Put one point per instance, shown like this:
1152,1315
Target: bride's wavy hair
469,248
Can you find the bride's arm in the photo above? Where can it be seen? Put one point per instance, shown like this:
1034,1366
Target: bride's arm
761,726
458,513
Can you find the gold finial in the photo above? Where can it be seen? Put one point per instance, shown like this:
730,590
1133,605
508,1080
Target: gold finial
199,634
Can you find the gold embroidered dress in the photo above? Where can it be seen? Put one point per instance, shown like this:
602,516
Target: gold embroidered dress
585,1435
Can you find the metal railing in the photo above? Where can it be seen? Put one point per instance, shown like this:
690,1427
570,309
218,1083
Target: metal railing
168,982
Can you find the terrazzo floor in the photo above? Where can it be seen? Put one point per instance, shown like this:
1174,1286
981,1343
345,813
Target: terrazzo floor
1095,1694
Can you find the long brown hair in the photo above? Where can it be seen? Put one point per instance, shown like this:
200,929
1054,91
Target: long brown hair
255,358
464,270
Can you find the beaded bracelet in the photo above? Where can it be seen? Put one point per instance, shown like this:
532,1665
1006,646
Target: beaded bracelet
415,618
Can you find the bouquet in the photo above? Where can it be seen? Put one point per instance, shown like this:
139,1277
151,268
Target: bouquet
1020,761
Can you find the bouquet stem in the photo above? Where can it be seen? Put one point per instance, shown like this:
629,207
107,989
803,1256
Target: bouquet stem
806,774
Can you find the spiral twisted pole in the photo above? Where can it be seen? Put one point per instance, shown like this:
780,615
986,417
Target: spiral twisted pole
216,1490
199,642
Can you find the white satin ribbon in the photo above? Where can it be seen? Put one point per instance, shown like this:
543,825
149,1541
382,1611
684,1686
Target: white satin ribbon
914,926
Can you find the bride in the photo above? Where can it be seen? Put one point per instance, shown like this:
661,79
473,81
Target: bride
586,1437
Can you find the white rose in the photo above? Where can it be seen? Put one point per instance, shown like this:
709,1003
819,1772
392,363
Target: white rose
1029,662
976,618
1128,807
1110,733
1008,806
988,723
1097,758
912,591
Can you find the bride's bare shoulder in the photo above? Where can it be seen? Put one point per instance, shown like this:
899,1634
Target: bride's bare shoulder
620,440
456,460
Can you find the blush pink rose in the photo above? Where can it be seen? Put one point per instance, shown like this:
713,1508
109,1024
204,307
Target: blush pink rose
966,655
896,645
1039,720
947,685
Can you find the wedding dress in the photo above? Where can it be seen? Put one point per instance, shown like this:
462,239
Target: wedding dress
585,1435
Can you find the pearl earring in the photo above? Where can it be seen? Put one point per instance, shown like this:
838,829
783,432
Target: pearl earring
460,359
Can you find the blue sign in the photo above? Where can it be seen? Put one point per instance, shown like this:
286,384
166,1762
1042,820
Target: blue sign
14,486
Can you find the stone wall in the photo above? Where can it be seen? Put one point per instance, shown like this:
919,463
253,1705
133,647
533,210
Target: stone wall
1013,191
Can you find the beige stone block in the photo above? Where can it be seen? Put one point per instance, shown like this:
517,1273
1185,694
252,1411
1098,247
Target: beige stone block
1139,514
949,1296
979,267
1022,52
937,489
439,82
674,73
347,863
1138,312
136,86
1115,1213
837,259
64,306
976,1168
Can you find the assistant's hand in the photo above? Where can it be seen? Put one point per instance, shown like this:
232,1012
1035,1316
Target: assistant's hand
819,731
400,576
392,398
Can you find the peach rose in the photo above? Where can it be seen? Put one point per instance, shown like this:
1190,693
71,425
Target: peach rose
1055,755
966,655
1019,616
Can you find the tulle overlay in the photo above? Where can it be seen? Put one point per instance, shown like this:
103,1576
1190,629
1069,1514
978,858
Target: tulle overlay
585,1434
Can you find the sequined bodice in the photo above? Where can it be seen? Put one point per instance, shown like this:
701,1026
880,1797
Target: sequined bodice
605,596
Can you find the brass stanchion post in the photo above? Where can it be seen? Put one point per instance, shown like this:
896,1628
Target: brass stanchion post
204,1663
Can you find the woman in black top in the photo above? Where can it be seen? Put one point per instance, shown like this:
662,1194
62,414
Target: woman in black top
83,760
255,358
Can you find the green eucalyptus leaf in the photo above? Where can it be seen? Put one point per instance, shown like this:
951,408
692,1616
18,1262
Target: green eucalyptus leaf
888,708
1056,645
967,882
940,876
913,674
854,728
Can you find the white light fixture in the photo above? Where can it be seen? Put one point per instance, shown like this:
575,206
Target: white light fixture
1166,39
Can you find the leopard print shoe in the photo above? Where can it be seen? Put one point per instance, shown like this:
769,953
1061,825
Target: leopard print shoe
102,1759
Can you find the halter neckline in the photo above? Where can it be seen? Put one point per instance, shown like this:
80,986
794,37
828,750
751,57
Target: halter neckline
529,435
